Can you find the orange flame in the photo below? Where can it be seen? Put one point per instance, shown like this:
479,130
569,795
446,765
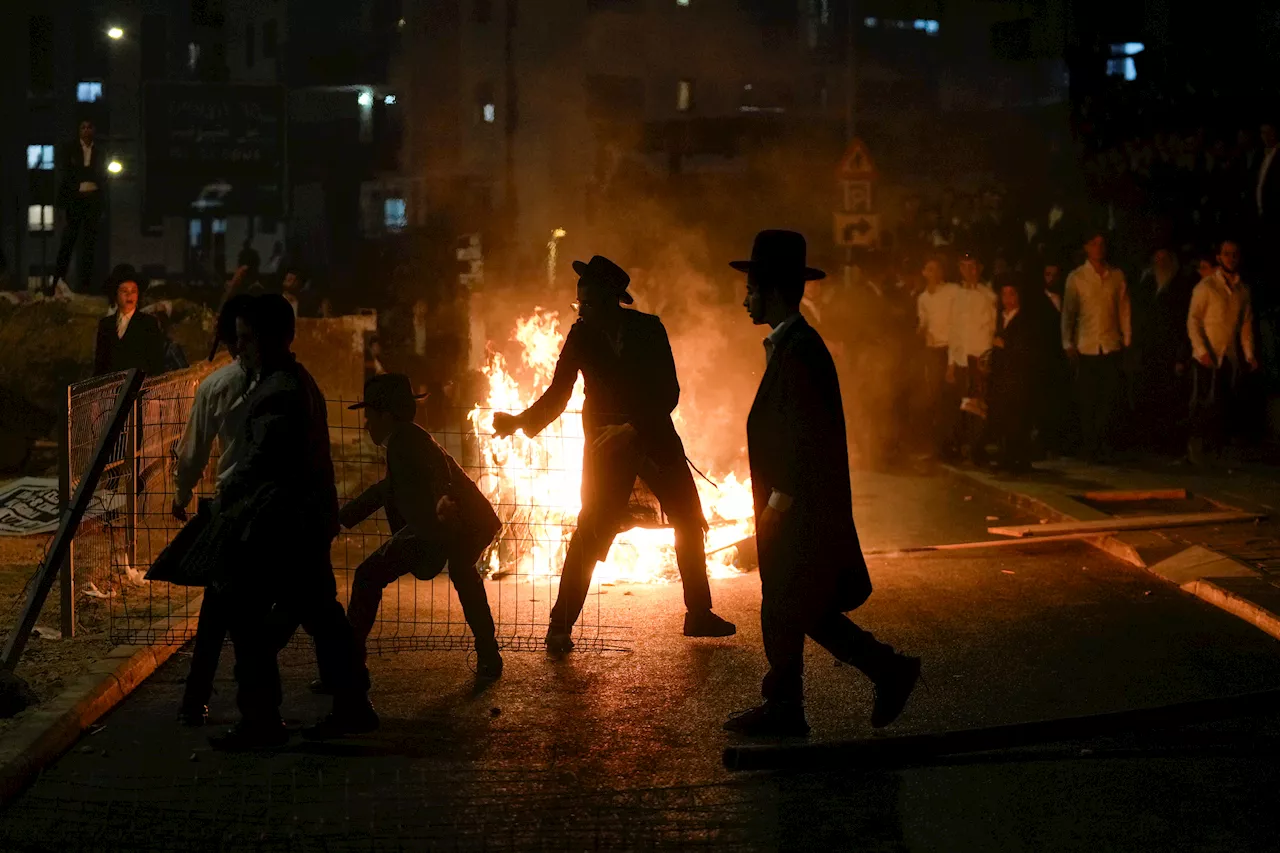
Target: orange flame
535,482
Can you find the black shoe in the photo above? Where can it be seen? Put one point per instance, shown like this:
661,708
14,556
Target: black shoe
243,737
558,642
893,690
193,715
356,720
489,664
707,624
320,688
772,719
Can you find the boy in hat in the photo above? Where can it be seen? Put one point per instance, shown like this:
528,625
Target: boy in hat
811,567
128,339
436,513
631,390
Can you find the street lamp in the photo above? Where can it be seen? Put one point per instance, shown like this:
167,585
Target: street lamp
115,167
115,33
365,99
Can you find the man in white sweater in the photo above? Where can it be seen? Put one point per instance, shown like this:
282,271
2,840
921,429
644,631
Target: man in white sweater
1095,331
973,330
217,412
933,313
1220,326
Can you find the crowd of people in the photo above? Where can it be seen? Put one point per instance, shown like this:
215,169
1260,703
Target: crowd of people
1143,287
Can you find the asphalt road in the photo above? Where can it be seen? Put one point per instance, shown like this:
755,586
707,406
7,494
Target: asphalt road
622,750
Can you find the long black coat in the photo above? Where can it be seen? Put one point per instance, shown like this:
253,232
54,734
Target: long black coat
72,172
1016,365
796,444
142,346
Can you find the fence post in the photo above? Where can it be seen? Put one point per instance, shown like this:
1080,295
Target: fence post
131,491
68,588
69,524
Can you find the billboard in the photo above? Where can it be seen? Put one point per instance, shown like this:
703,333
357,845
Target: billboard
214,149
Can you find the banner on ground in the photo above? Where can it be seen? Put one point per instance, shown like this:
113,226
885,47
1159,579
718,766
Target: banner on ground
29,506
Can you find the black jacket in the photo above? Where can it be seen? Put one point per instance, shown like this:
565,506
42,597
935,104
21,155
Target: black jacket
142,346
796,444
1160,318
284,485
72,171
636,386
1016,364
419,473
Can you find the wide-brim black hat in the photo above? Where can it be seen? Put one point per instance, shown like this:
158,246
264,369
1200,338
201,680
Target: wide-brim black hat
779,253
388,392
605,273
122,273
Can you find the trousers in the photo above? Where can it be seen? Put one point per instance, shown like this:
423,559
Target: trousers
785,627
406,552
262,617
1098,383
83,218
606,492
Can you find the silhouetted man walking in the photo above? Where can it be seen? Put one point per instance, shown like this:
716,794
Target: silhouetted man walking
811,565
278,516
631,390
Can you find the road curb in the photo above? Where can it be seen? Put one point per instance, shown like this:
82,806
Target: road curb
54,727
1233,587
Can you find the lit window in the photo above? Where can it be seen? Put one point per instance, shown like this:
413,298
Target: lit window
684,96
40,157
684,3
193,56
88,92
395,214
389,100
870,23
219,226
926,25
490,113
39,218
1124,67
1129,48
195,230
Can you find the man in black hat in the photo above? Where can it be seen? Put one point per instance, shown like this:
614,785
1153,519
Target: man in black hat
128,339
631,390
278,513
436,513
811,566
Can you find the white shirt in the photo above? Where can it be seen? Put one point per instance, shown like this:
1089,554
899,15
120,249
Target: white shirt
1220,322
771,339
779,501
1262,176
1007,317
122,323
1095,311
1055,298
420,337
217,412
934,313
293,302
973,323
87,151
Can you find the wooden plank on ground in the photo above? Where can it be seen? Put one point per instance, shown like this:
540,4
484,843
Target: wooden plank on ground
1137,522
1124,495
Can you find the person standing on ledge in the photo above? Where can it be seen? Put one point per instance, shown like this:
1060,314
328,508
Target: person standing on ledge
811,567
631,390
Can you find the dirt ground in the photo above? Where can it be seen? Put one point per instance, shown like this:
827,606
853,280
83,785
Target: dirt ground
49,662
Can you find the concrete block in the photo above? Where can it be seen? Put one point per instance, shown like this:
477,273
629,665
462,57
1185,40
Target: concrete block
1198,562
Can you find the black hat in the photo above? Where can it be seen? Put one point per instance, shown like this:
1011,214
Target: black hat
389,392
779,253
604,272
122,273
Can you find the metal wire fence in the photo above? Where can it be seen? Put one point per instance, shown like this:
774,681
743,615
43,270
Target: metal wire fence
111,554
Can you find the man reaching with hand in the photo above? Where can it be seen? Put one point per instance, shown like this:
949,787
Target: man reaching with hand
631,390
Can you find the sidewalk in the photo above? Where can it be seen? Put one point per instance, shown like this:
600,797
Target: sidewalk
1234,566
